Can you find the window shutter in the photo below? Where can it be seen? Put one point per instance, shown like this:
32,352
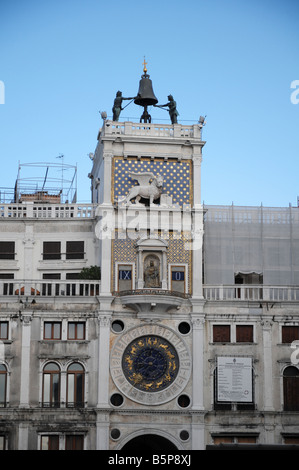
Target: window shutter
290,333
244,334
221,333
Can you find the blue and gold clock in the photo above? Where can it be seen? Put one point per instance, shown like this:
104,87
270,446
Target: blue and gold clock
150,363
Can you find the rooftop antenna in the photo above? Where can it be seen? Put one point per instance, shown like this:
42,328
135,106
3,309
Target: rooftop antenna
45,178
62,163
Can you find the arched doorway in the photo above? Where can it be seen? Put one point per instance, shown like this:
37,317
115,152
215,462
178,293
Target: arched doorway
149,443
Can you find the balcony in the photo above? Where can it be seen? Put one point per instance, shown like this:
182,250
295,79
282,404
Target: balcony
145,297
46,288
252,293
155,300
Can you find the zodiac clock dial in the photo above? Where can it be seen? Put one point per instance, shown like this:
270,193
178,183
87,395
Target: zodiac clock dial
150,363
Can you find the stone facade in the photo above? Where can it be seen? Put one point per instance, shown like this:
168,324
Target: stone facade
122,363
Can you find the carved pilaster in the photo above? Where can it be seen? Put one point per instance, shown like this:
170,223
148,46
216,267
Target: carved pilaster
266,323
198,361
104,320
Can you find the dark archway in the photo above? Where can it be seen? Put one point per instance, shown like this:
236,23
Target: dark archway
149,443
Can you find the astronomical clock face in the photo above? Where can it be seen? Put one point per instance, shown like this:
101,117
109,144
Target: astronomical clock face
150,364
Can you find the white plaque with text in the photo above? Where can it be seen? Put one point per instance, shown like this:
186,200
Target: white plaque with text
234,379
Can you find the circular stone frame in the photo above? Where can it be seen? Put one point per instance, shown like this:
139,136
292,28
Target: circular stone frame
144,397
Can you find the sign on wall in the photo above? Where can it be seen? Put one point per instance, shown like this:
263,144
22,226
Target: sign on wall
234,379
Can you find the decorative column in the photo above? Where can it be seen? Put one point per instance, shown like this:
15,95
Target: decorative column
104,231
25,360
28,261
103,360
102,437
198,364
23,436
198,436
197,159
102,431
268,369
107,159
164,270
140,281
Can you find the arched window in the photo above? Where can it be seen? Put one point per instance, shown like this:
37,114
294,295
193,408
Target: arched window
51,385
3,384
291,389
75,385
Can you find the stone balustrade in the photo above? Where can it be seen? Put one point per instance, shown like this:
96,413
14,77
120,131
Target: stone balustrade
47,211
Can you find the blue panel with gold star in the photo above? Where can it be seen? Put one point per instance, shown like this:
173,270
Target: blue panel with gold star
177,177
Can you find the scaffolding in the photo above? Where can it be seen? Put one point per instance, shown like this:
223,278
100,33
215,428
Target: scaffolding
251,245
44,183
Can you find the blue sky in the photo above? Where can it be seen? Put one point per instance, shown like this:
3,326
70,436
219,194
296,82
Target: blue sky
62,61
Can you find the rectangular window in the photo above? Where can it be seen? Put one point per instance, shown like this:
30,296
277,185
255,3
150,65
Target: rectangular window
52,330
234,439
244,333
74,442
124,277
75,250
178,278
289,333
50,442
51,250
3,377
52,276
76,330
4,330
7,250
7,276
72,276
292,440
221,333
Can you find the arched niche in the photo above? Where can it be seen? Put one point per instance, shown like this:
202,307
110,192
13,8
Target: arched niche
152,259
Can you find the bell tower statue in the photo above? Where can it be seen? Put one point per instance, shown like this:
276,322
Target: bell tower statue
146,180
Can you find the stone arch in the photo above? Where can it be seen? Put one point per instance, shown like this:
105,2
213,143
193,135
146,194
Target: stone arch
150,440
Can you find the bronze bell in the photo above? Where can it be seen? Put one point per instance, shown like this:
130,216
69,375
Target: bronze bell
145,96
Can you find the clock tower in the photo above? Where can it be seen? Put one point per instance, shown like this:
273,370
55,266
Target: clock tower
146,183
